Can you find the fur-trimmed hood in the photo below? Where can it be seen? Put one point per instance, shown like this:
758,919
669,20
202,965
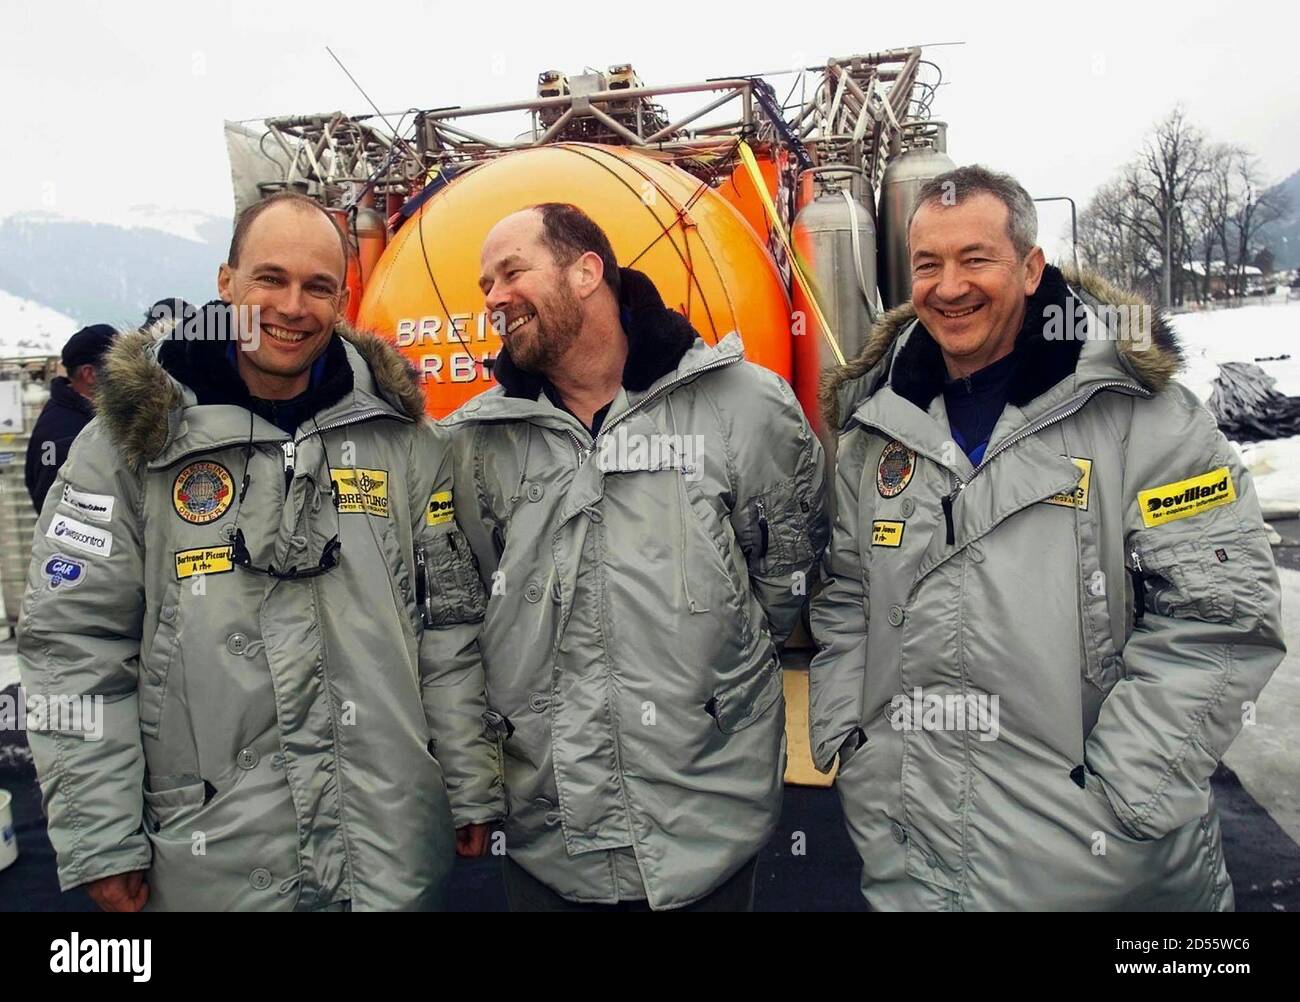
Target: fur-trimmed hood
147,375
913,365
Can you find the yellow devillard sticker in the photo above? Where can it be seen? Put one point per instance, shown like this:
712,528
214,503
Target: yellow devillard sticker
887,533
362,491
204,560
1186,497
1077,498
440,508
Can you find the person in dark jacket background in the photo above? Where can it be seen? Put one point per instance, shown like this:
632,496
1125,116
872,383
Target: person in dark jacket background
68,410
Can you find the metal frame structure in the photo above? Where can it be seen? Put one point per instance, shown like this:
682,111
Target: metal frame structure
862,110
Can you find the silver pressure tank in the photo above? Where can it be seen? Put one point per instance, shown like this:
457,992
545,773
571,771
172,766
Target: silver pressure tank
923,157
835,239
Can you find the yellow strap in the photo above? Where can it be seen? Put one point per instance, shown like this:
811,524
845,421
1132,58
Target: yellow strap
751,167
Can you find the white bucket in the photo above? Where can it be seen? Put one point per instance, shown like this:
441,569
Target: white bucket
8,838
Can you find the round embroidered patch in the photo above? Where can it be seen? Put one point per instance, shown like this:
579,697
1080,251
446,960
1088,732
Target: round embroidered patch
894,471
202,492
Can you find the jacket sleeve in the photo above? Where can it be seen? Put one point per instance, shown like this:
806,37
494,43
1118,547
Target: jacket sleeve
1207,617
452,603
779,509
839,618
79,637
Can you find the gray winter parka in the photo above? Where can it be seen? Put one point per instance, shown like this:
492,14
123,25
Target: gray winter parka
266,744
639,584
1030,669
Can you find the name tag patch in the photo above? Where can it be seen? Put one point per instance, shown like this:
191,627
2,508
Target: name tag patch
1077,498
440,508
96,507
1185,498
204,560
884,533
80,536
362,491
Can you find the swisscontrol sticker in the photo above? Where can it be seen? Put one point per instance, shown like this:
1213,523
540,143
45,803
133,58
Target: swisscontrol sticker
1185,498
440,508
80,536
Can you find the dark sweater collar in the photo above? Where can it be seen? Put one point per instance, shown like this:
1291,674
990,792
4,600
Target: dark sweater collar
202,365
62,393
918,372
657,338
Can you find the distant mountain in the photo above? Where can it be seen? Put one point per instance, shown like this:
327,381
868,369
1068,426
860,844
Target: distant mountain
1283,237
111,272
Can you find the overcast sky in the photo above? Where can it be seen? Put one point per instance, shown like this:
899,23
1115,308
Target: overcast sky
108,105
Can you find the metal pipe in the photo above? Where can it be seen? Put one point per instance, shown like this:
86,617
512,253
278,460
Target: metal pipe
599,96
618,128
1074,222
668,130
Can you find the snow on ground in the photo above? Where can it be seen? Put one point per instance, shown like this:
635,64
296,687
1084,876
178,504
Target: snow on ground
1245,334
27,328
1242,335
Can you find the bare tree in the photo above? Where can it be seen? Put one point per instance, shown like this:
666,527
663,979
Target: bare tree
1161,180
1257,207
1213,203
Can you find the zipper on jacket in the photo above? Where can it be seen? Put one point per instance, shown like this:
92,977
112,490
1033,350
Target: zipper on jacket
1139,587
1021,435
762,527
686,377
950,536
288,448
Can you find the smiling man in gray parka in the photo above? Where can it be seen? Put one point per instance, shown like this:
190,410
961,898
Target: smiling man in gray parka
250,559
646,508
1052,601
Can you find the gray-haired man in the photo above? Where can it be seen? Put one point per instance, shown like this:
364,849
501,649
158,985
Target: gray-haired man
1051,591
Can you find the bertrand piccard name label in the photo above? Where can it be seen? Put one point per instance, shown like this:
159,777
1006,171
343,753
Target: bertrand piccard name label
204,560
1185,498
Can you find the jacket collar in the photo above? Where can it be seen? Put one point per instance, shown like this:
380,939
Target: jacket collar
901,354
663,350
158,409
62,394
657,338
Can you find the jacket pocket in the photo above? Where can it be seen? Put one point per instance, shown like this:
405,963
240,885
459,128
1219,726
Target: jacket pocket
1180,583
779,538
164,808
452,590
736,708
156,669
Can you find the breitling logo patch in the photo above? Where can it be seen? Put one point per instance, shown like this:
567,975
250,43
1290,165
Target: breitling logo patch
202,492
1077,498
361,492
895,469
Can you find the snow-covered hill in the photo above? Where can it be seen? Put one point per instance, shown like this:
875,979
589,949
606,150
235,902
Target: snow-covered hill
27,328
